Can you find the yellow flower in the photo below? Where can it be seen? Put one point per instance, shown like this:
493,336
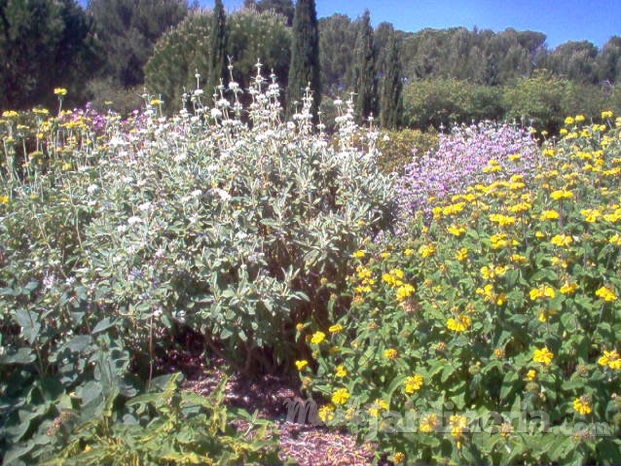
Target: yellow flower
582,405
591,215
453,209
391,354
561,194
544,356
377,406
318,337
413,383
427,250
531,375
359,254
545,315
4,199
301,364
569,120
408,252
341,371
606,293
405,291
385,255
569,288
580,118
520,207
519,259
338,328
562,240
429,423
610,359
493,272
326,412
459,424
607,114
461,255
549,215
341,396
60,91
503,220
544,291
398,458
460,323
456,230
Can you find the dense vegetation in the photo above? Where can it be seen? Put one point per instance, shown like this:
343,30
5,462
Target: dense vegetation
450,294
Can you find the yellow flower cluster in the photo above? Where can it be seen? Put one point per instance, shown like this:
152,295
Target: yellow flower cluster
427,250
462,254
610,359
394,278
562,240
569,288
377,406
326,412
490,295
318,338
405,291
391,354
429,423
366,279
460,323
503,220
606,293
413,383
491,272
549,215
561,194
591,215
458,424
582,405
456,230
542,292
543,356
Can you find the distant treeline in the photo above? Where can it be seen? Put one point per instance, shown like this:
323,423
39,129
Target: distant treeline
113,48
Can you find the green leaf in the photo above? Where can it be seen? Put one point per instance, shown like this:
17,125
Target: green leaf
16,453
102,325
78,343
508,384
28,322
21,356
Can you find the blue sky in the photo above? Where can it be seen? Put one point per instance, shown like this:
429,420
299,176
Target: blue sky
560,20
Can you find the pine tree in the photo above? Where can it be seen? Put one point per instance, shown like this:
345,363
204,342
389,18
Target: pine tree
304,68
366,80
43,44
391,103
218,43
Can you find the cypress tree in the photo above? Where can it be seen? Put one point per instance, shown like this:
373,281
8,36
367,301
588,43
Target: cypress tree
304,67
391,103
366,80
217,42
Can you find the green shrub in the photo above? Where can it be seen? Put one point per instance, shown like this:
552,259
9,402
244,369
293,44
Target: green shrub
397,148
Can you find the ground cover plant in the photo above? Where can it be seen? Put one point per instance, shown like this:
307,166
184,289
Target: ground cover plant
466,311
488,331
